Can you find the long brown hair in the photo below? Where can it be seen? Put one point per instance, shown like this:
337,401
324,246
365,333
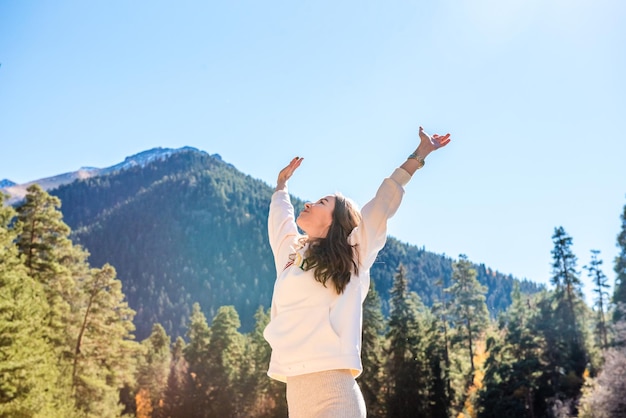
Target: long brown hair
333,257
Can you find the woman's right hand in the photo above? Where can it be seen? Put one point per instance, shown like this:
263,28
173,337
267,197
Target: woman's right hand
286,173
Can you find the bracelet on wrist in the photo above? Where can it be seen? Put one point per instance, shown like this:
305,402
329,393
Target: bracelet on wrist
420,160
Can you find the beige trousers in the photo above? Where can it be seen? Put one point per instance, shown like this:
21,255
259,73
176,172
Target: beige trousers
327,394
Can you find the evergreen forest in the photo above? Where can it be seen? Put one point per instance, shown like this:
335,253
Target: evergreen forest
145,292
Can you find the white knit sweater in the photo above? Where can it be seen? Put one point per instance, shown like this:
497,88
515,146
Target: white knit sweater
313,328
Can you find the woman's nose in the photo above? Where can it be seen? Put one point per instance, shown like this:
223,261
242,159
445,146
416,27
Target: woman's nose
308,205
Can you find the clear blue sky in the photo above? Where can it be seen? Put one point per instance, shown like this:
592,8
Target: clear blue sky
532,91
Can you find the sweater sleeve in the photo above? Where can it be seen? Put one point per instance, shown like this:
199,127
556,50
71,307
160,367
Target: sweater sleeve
371,234
281,227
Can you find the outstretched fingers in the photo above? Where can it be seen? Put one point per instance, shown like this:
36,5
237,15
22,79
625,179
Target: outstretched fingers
294,164
435,141
441,141
288,171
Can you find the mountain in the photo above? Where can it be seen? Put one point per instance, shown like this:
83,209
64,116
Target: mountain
17,192
182,226
6,183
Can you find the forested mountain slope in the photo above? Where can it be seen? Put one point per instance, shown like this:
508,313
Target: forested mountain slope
191,228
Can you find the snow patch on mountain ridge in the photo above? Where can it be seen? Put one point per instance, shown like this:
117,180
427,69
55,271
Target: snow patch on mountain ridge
17,192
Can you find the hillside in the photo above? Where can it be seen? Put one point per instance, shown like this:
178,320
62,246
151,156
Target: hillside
189,227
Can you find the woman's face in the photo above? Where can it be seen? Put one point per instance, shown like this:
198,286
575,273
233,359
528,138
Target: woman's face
316,217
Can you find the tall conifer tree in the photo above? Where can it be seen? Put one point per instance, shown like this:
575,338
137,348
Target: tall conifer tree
154,369
53,261
104,347
559,321
197,355
49,258
513,368
600,282
265,397
468,311
409,376
371,381
176,403
619,294
564,275
226,350
28,368
440,310
436,354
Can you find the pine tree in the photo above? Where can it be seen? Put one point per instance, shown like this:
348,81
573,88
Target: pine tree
197,356
440,310
154,369
225,357
265,397
28,368
619,294
104,347
564,275
409,376
438,355
568,296
176,404
371,381
512,376
52,260
468,312
558,322
600,282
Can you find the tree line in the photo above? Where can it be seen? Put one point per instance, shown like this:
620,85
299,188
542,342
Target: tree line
67,347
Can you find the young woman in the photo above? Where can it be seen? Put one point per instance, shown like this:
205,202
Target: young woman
322,281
